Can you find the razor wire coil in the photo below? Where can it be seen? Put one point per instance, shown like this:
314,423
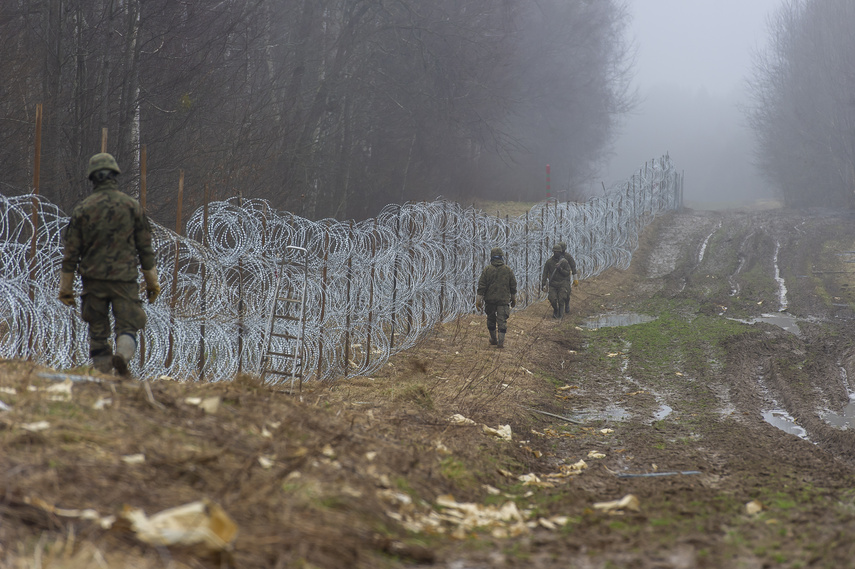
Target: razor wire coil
375,287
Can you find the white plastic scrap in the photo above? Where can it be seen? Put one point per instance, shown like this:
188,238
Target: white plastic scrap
106,522
138,458
532,479
208,404
201,523
596,454
102,403
503,432
458,419
568,470
753,507
628,502
36,427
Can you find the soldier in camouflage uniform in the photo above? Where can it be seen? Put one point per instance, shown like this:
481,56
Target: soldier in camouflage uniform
107,237
497,292
555,280
572,281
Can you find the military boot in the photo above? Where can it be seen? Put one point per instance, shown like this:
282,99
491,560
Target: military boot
501,342
554,310
126,345
493,337
567,306
102,363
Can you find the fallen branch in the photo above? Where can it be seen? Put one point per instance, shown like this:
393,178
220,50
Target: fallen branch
569,420
652,474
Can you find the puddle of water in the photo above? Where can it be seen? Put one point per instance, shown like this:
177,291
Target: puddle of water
782,287
843,420
784,421
616,319
664,411
704,244
781,319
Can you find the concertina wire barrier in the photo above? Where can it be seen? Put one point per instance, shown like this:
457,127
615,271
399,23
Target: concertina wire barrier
375,287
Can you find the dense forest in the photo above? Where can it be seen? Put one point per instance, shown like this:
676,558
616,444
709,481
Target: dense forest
327,108
803,108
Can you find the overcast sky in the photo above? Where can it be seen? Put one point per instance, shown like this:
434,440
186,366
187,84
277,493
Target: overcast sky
692,60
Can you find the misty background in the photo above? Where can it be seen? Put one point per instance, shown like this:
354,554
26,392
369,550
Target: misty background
338,108
692,63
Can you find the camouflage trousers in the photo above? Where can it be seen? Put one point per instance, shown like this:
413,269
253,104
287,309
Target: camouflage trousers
559,292
95,304
497,316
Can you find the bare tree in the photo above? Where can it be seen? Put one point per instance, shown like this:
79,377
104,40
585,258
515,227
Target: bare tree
803,110
323,107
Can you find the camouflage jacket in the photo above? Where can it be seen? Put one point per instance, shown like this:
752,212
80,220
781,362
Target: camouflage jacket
570,260
497,283
555,272
108,236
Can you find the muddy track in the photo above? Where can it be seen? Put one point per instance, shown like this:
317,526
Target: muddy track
791,267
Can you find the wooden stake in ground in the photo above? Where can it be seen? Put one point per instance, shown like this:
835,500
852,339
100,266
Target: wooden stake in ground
174,300
35,214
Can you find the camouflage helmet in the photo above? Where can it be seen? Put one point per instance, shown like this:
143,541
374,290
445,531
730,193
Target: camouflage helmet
496,252
102,161
563,246
557,248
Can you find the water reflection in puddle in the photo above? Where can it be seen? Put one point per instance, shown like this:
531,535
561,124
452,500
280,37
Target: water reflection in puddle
784,421
843,420
664,411
616,319
782,320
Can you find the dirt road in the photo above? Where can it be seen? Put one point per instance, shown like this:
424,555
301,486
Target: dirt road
714,414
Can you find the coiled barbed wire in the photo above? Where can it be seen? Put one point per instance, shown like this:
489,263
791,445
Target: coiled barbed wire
374,287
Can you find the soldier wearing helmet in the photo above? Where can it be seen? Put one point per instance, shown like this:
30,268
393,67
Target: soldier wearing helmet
107,238
497,291
572,281
555,280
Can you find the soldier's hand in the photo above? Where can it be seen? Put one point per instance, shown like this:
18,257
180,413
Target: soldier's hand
68,299
575,282
513,301
152,292
479,303
545,288
66,289
152,286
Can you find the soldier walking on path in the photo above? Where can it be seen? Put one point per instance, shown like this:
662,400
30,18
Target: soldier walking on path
573,281
497,292
107,237
556,280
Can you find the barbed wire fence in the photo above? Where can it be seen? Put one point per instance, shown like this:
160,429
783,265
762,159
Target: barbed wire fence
375,287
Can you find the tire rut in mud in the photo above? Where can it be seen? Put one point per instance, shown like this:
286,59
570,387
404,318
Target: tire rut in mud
777,264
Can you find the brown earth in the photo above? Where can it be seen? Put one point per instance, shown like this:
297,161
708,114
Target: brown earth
370,472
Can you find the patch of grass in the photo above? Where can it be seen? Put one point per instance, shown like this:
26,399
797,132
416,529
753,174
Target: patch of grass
456,472
518,552
415,393
674,341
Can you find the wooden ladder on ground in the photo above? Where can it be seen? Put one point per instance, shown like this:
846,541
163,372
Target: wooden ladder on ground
285,333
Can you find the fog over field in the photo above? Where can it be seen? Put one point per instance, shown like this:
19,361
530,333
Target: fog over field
693,57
